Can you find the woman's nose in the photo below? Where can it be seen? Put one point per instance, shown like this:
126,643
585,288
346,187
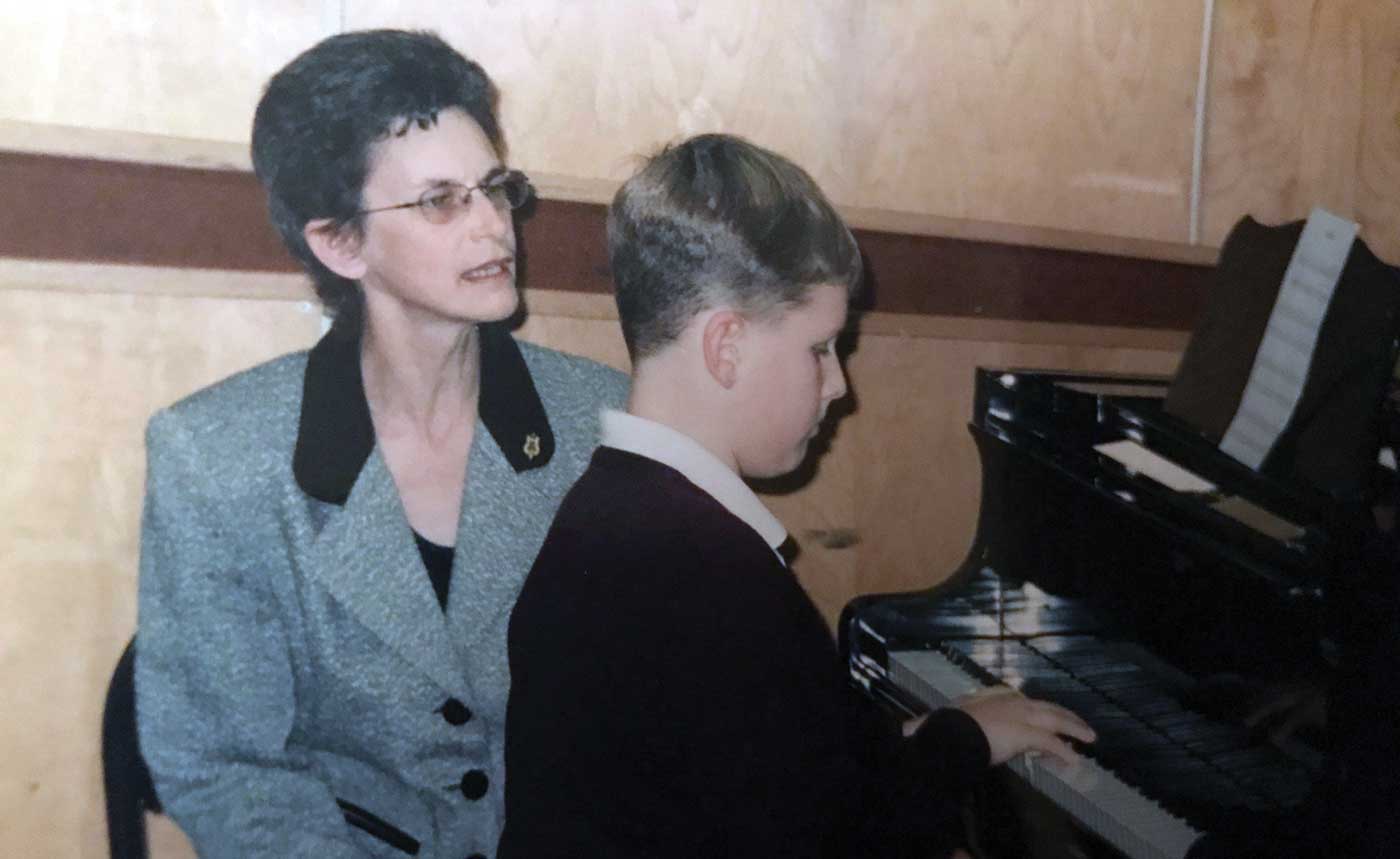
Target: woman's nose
486,220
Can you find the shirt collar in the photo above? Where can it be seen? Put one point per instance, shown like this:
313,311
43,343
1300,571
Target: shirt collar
336,435
669,447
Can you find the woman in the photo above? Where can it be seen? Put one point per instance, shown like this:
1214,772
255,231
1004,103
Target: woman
332,541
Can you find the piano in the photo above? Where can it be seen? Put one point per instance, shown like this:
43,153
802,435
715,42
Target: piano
1126,569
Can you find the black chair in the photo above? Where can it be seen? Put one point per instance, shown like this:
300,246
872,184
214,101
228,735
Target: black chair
127,782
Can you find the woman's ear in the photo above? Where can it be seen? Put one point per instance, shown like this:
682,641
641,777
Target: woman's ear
337,246
720,341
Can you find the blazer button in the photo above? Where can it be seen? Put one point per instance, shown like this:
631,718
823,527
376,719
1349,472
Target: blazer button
474,784
456,713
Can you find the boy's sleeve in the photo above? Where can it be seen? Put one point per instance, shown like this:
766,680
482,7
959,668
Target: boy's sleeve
774,752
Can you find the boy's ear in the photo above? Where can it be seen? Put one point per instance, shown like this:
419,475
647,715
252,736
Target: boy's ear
720,340
337,247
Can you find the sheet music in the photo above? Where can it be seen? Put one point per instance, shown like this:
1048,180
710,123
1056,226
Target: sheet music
1256,517
1285,354
1140,460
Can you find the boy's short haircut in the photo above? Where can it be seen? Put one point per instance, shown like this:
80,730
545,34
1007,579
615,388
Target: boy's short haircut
320,116
717,220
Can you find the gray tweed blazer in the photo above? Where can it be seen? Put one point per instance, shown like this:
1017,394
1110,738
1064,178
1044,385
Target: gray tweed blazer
300,692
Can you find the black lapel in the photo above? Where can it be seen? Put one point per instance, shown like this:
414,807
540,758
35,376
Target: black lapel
335,436
510,404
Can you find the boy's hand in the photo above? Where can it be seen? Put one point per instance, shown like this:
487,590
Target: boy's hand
1014,724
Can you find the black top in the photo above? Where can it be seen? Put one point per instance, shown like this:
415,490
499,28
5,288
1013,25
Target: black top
438,560
676,693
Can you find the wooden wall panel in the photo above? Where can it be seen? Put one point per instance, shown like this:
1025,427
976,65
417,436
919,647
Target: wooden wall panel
121,212
588,87
1073,114
79,376
1076,115
1305,110
173,67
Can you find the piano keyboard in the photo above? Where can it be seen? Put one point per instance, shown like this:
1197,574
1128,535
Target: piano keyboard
1094,796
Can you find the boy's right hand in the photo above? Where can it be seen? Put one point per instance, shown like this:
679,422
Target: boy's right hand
1014,724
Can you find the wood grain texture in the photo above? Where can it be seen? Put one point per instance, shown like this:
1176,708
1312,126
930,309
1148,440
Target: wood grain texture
588,87
1063,122
163,217
1074,115
191,69
79,376
1305,110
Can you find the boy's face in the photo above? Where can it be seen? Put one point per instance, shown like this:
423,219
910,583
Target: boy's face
788,376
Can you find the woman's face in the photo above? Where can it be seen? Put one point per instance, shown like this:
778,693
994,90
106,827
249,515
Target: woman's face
459,271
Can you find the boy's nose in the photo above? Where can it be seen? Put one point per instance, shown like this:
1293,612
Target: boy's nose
834,381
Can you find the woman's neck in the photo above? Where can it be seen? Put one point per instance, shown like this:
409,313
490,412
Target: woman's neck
421,377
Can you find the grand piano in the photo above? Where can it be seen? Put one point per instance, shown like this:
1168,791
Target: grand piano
1127,569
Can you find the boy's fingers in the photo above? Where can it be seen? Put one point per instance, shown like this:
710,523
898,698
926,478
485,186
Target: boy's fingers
1056,719
1066,723
1053,745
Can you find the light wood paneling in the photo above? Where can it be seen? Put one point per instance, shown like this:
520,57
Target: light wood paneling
79,376
1074,115
187,68
1070,120
1305,110
588,87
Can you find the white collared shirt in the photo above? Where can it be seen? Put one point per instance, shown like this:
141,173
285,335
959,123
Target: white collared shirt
672,448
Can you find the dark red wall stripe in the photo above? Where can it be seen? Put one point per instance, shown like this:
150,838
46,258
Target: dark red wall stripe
89,210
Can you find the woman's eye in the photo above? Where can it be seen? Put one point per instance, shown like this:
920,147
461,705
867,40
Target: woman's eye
821,349
440,200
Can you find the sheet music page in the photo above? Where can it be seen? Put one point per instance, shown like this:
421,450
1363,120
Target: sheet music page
1251,514
1140,460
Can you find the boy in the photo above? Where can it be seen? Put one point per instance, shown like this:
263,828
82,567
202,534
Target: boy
675,692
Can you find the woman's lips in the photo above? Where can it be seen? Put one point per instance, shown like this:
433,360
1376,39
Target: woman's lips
486,271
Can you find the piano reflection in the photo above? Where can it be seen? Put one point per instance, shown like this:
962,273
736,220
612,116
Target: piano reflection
1141,571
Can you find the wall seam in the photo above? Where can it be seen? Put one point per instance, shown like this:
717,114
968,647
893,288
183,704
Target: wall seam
1199,142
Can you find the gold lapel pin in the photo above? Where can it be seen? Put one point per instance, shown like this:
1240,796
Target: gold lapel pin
532,446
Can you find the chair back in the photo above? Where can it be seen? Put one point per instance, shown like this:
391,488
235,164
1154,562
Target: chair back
125,778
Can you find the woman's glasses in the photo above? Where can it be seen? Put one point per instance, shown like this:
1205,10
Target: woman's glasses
507,190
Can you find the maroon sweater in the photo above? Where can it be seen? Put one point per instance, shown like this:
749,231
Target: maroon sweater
675,693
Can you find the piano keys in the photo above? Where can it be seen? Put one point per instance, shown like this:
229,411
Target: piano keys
1092,794
1152,610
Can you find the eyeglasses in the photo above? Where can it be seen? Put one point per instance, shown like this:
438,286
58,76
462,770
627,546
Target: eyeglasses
507,190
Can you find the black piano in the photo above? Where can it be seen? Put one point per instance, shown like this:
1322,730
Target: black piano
1125,568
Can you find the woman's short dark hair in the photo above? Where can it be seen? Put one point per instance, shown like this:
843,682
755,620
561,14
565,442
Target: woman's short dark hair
321,114
717,220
